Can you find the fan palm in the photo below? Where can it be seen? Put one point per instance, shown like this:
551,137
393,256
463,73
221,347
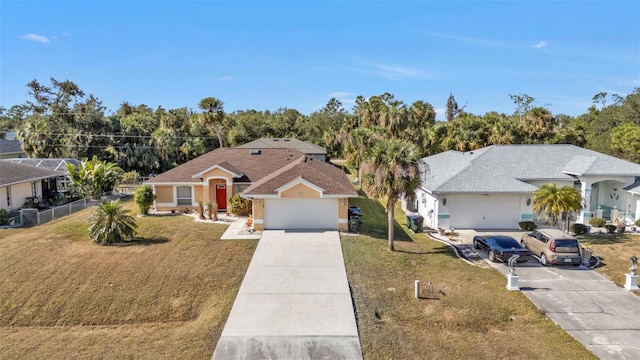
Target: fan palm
555,203
111,224
392,169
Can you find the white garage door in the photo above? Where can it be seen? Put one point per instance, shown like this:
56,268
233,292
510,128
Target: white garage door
484,211
301,214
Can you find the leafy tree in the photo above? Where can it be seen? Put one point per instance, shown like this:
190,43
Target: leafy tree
240,206
357,145
111,224
213,115
94,177
556,203
625,141
144,198
392,170
523,103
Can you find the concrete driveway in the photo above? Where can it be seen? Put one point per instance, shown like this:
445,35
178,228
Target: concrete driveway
598,313
294,302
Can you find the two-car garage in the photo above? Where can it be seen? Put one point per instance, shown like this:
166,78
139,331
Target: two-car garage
493,211
301,213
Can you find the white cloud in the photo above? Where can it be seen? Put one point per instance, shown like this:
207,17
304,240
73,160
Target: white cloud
36,37
220,78
339,94
540,44
440,111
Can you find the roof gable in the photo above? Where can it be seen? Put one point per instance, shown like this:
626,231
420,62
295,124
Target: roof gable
323,176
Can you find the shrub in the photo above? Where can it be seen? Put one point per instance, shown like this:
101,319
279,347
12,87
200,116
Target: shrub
610,228
239,206
527,225
201,209
4,217
597,222
638,222
212,210
578,229
144,198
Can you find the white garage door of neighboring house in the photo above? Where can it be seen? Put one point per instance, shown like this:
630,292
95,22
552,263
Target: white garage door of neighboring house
301,213
484,211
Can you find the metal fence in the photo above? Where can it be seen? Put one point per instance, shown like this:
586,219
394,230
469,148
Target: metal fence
60,211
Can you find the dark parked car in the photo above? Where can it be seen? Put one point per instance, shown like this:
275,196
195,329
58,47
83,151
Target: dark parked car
501,248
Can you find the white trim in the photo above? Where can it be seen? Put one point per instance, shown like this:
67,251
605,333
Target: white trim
198,175
343,221
258,221
174,184
167,204
299,181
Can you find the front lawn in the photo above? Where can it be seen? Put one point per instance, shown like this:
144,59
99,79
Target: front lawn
614,251
166,295
466,312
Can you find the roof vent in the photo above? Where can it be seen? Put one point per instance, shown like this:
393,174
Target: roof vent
255,151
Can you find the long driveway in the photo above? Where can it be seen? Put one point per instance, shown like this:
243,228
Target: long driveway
294,302
601,315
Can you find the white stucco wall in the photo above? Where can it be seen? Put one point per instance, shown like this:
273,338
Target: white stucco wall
19,194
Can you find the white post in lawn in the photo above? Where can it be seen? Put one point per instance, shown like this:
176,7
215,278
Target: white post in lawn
417,289
512,282
631,283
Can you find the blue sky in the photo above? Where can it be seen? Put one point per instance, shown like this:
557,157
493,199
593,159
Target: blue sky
271,54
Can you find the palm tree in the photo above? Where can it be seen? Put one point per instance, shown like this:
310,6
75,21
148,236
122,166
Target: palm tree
213,115
392,169
111,224
356,145
555,203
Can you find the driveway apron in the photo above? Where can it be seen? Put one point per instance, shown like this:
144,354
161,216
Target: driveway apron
294,302
601,315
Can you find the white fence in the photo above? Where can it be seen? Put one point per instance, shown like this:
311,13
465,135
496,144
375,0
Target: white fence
31,217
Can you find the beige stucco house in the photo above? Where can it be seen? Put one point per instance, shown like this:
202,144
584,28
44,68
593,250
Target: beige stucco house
289,189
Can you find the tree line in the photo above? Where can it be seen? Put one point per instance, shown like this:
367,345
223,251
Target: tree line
60,120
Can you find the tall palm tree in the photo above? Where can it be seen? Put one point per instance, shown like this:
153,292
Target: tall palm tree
356,145
111,224
392,169
213,115
555,203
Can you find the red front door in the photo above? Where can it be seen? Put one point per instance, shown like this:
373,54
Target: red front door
221,196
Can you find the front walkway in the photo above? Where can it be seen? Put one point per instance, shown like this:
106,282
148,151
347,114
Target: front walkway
294,302
604,317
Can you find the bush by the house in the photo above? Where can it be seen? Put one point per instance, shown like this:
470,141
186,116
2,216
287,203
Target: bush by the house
4,217
597,222
638,222
239,206
610,228
578,229
527,225
144,198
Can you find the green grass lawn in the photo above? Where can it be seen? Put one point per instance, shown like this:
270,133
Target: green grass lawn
614,251
465,313
166,295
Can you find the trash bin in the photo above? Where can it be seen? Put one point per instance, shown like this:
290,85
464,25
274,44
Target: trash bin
354,210
354,223
414,222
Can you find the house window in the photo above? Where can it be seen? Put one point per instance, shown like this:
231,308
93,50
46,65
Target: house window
239,188
8,196
183,195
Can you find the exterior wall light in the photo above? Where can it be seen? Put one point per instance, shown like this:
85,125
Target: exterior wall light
528,201
444,201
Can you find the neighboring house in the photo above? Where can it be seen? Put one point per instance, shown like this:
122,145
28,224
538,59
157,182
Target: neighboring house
63,183
304,147
20,182
492,187
11,149
289,190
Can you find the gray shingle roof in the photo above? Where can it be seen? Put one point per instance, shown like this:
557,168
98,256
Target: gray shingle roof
10,146
11,173
285,143
58,164
504,168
